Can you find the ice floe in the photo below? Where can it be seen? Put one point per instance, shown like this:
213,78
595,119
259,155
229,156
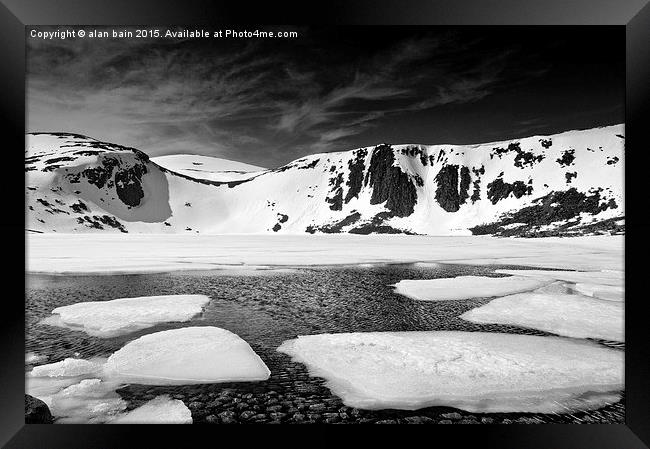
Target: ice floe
569,315
32,358
89,401
72,391
67,368
606,292
610,278
187,356
160,410
84,391
125,315
465,287
474,371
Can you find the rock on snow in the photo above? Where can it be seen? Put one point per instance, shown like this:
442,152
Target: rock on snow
474,371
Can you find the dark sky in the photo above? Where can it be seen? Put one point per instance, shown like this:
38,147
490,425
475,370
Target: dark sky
269,101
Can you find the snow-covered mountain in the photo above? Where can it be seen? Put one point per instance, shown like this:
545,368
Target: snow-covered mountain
568,183
206,167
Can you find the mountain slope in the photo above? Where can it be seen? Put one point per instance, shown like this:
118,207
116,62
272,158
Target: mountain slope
206,167
568,183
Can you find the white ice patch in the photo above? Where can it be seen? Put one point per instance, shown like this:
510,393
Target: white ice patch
187,356
160,410
426,265
32,358
89,401
611,277
465,287
125,315
67,368
606,292
72,393
473,371
562,314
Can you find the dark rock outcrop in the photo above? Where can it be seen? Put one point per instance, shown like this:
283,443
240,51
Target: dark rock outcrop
128,184
336,198
377,226
498,190
355,179
567,158
554,207
463,187
389,183
447,188
450,193
36,411
335,227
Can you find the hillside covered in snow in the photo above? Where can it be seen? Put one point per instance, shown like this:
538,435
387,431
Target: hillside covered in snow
565,184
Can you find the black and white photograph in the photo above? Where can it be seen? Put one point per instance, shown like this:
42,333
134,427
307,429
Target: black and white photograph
325,224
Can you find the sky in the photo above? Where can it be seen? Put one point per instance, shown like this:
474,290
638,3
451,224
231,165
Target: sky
267,102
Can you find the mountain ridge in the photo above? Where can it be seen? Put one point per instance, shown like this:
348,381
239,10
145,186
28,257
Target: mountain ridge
569,183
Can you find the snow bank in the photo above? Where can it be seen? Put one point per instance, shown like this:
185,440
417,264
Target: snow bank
187,356
122,316
474,371
160,410
569,315
142,253
465,287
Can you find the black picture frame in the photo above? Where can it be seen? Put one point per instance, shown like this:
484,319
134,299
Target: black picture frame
634,15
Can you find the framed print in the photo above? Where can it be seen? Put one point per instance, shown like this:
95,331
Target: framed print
353,213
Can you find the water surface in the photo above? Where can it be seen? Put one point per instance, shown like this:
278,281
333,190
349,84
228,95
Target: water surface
266,308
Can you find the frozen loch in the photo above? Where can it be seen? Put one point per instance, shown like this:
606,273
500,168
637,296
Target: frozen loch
473,371
125,315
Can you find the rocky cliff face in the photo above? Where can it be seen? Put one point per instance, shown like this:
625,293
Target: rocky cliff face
566,184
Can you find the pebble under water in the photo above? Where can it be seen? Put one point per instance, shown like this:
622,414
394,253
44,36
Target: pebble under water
265,308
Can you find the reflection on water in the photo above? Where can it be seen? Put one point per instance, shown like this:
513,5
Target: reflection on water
266,308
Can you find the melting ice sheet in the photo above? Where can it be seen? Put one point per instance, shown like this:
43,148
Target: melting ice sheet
606,277
474,371
465,287
125,315
160,410
186,356
564,314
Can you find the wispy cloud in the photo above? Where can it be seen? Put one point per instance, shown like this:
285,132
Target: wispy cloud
247,100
